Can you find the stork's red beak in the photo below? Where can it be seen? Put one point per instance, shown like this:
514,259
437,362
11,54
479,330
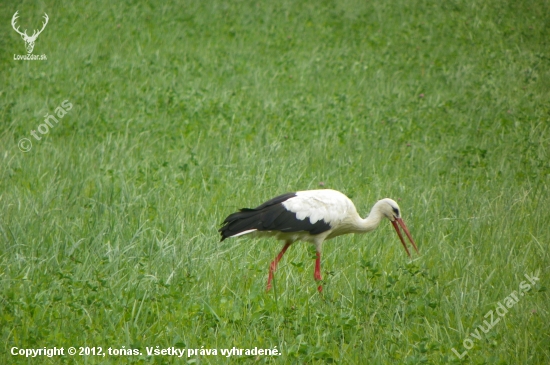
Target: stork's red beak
402,224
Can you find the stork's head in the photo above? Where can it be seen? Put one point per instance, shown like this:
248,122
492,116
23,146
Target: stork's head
391,210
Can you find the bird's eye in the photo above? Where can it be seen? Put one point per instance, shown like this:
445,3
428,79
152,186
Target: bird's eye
396,212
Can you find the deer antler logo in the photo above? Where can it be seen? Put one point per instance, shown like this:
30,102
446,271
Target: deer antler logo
29,41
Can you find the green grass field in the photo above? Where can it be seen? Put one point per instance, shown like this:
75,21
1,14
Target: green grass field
183,112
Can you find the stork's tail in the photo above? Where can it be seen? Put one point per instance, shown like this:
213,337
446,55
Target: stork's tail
271,215
240,223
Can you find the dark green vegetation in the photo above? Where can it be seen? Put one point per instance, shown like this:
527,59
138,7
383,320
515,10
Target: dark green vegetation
184,112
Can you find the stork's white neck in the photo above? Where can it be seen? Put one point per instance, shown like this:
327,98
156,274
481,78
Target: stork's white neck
372,221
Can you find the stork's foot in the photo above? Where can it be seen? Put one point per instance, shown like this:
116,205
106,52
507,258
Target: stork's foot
317,272
273,265
272,268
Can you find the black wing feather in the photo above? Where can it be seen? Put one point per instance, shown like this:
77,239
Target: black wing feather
270,216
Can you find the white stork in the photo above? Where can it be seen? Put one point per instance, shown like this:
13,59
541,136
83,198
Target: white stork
312,216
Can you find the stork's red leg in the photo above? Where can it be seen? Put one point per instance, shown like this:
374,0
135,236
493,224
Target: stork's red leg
317,274
274,263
